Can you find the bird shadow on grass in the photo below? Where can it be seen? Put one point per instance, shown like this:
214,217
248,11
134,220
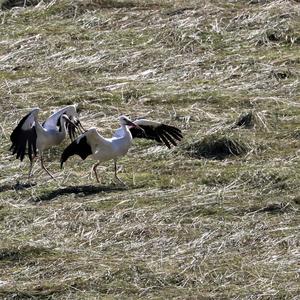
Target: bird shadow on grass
15,187
77,191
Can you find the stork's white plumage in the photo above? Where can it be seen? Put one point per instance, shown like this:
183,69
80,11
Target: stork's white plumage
104,149
30,136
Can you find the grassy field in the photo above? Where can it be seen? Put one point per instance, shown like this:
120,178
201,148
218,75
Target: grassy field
216,217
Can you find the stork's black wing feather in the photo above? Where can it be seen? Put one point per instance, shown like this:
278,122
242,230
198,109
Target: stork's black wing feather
72,129
161,133
79,147
70,126
23,141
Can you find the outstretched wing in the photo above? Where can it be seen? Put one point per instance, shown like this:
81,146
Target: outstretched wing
54,120
80,147
23,138
162,133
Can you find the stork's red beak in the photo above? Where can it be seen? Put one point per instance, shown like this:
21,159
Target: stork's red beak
129,123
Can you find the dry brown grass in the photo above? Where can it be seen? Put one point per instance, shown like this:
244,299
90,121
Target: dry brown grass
184,228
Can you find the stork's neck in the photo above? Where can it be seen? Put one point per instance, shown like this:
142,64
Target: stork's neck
36,121
127,133
63,126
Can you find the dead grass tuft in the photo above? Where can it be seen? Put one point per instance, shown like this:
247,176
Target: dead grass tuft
297,200
274,208
23,252
75,8
80,5
8,4
281,74
216,146
296,134
98,4
246,120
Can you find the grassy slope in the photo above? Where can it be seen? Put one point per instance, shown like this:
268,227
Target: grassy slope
184,227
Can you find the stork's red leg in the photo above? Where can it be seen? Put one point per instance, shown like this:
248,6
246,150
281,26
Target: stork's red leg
31,167
42,164
115,162
95,171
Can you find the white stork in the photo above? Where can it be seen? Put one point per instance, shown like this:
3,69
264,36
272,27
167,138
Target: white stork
30,136
104,149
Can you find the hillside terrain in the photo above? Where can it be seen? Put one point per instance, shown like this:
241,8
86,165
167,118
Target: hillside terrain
216,217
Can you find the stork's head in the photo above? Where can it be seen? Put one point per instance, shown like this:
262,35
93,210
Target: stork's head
71,111
125,121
